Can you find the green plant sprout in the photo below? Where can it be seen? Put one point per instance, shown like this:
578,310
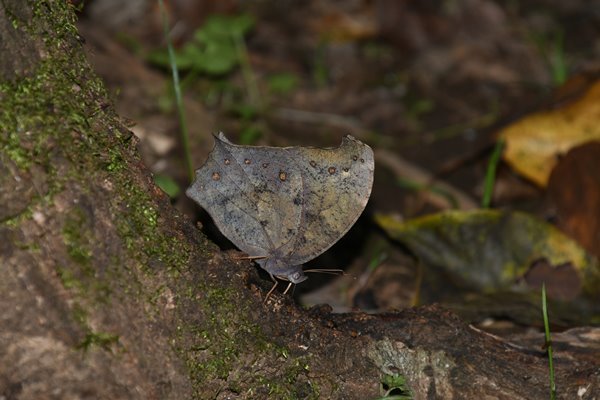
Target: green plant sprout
379,258
558,60
490,174
552,48
395,388
548,343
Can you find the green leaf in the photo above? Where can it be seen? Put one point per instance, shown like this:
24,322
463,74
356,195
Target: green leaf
250,135
283,83
245,111
213,48
220,26
216,59
184,59
167,185
242,24
158,57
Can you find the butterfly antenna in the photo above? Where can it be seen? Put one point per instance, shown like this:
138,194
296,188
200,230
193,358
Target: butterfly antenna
250,257
330,271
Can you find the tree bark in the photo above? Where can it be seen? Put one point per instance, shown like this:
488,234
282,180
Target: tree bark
107,292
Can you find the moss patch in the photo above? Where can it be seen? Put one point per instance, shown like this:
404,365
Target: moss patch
61,104
103,340
47,108
216,352
78,240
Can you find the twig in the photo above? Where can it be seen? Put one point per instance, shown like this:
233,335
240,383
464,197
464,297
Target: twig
404,169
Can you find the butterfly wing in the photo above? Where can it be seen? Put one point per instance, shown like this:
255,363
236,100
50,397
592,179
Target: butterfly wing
247,190
336,185
286,204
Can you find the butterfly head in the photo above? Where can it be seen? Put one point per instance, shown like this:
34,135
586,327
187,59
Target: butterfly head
296,276
283,270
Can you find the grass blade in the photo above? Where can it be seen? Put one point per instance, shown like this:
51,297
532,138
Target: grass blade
178,98
490,174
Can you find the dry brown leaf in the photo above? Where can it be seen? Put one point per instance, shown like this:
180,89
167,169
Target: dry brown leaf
574,195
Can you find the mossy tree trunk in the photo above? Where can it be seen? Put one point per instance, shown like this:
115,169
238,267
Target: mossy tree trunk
107,292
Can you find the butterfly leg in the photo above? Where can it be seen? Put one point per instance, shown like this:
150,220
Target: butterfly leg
273,288
287,288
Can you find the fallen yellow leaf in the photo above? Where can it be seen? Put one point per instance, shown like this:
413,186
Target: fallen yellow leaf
534,143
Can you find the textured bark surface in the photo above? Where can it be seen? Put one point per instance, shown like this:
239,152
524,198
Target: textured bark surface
107,292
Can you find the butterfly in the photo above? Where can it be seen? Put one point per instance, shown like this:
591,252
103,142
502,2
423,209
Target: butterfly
284,206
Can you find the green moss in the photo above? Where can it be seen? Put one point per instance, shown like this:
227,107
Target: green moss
68,279
81,276
18,219
14,150
155,295
103,340
37,112
285,386
91,338
59,106
214,350
281,388
150,215
78,239
80,315
115,161
141,231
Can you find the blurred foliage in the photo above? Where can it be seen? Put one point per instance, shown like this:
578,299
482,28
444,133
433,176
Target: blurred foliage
249,118
283,83
250,134
185,138
213,49
320,71
244,111
216,49
486,263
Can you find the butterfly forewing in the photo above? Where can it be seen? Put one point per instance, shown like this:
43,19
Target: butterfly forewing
247,191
